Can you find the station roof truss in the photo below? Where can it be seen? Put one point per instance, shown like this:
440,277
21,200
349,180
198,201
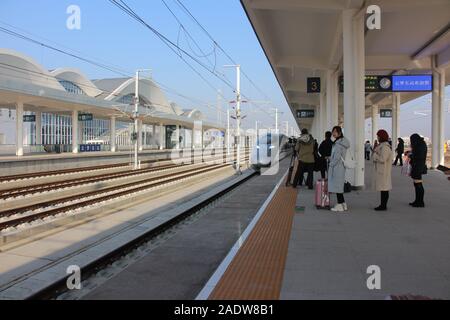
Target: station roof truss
303,38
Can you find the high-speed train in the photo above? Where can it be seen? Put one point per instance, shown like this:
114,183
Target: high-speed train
268,147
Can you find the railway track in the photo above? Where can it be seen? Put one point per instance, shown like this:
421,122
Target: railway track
134,246
12,193
54,173
52,186
31,213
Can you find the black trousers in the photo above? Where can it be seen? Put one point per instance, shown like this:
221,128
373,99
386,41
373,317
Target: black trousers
340,197
323,172
367,155
384,198
299,175
399,157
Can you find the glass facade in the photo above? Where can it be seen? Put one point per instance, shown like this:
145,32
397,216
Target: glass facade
56,129
71,87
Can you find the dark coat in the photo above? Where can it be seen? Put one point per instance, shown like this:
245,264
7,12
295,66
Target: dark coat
418,157
400,147
324,151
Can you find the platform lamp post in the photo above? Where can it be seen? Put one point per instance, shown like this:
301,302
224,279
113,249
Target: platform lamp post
136,118
238,116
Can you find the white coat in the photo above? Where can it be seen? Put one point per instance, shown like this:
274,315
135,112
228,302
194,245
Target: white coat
382,158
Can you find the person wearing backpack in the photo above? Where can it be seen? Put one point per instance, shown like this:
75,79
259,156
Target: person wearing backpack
305,151
382,159
336,173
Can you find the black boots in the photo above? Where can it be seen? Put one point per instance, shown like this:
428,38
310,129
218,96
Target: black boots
384,200
418,203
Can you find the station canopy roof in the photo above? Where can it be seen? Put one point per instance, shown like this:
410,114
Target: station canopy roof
303,38
64,90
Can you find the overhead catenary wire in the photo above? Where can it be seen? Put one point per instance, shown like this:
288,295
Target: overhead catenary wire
174,47
171,45
188,12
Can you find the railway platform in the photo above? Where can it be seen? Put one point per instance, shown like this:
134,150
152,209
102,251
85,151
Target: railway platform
296,251
259,240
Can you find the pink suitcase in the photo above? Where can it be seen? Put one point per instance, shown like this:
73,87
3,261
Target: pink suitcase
322,196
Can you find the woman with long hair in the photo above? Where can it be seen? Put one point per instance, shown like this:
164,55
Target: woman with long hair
418,157
382,159
336,173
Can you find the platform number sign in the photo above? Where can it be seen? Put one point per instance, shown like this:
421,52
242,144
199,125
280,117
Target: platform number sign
302,114
385,113
85,117
313,85
29,118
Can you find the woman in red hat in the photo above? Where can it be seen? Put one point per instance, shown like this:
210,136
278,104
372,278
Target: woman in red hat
382,158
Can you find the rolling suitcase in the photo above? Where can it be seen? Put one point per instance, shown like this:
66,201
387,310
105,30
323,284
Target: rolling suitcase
322,197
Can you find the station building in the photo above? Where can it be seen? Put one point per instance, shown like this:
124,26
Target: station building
63,110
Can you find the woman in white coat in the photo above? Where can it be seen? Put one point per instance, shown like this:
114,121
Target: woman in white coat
382,158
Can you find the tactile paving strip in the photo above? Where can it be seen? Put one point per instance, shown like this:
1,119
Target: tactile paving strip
256,272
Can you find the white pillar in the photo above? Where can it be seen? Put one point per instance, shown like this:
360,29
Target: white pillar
139,129
112,132
395,119
323,118
332,99
153,134
177,135
374,122
202,138
74,131
38,131
354,92
161,137
19,129
437,115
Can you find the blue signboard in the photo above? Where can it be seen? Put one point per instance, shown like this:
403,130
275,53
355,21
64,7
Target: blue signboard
90,148
412,83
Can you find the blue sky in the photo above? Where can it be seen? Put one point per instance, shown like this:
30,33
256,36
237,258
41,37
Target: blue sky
108,35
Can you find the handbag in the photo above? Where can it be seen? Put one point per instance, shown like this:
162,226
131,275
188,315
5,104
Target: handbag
349,162
406,169
347,187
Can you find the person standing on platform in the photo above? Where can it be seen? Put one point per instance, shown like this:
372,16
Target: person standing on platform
336,173
325,153
399,151
367,149
418,157
382,159
305,151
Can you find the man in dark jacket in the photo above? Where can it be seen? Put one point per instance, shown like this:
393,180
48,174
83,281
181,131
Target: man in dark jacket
325,153
305,150
399,150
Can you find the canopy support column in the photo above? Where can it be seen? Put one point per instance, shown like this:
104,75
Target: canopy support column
74,131
354,98
374,122
395,119
19,129
437,115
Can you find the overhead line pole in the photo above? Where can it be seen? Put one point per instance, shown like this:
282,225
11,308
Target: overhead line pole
238,116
